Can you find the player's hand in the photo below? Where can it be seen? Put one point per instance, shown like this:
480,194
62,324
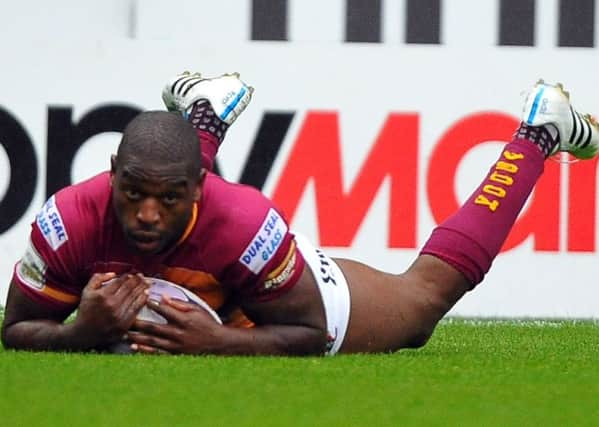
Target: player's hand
107,311
190,329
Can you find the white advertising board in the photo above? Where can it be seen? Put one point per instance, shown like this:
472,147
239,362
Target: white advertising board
432,120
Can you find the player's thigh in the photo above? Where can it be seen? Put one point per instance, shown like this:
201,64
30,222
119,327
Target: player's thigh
380,304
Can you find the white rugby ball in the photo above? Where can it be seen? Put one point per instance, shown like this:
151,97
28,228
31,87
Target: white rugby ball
158,289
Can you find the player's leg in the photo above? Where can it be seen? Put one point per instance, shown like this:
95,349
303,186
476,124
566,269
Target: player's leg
211,105
394,311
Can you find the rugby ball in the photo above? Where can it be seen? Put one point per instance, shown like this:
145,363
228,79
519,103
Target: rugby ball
158,289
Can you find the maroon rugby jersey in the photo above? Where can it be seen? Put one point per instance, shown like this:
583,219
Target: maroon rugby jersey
237,246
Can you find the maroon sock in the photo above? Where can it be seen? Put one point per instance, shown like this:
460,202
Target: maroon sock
209,146
471,238
210,129
540,135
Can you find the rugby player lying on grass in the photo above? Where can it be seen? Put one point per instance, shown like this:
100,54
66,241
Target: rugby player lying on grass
159,212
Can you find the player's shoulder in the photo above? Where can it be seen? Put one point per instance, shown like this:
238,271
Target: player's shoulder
232,202
86,200
75,209
234,216
221,189
88,192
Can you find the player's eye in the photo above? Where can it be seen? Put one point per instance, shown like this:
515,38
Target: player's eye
133,195
170,199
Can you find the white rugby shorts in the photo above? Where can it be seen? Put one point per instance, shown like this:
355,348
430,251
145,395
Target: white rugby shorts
333,290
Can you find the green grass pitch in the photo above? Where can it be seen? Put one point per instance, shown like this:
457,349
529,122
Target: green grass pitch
472,373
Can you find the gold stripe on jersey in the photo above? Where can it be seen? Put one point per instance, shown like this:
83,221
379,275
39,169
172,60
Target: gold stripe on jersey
59,295
190,224
200,283
283,264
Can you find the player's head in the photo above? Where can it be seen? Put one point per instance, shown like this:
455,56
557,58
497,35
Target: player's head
156,179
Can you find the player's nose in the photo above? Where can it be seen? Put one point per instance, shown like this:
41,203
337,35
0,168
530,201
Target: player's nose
148,211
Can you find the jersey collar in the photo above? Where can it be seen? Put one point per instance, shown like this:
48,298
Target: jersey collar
190,224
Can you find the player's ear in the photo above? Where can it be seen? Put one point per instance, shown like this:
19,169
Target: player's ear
113,164
112,167
199,184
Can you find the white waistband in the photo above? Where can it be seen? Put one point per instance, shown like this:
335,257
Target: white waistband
333,290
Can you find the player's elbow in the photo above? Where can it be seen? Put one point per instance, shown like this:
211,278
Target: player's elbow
6,338
11,334
321,342
310,342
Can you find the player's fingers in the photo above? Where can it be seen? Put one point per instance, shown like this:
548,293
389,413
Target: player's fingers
98,279
111,287
171,314
131,305
118,286
138,339
146,349
177,304
131,285
169,332
178,312
135,281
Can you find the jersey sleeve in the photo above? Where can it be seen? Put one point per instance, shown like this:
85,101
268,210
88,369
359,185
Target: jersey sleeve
50,271
270,264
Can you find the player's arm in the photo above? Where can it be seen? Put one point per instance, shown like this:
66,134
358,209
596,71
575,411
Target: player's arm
104,314
33,326
294,323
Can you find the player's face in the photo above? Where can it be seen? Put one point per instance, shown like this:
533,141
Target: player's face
153,203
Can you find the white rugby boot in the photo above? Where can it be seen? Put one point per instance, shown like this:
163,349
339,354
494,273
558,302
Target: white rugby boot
228,94
549,106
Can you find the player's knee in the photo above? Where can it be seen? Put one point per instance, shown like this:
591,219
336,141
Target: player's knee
420,336
429,309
